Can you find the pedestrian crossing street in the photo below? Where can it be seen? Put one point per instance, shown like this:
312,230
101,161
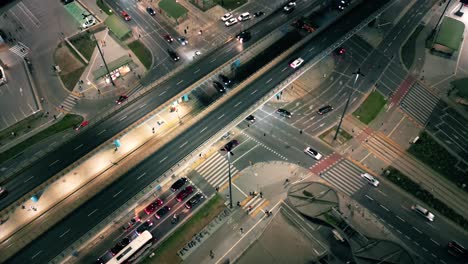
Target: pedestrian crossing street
215,170
69,102
345,176
419,103
20,49
253,204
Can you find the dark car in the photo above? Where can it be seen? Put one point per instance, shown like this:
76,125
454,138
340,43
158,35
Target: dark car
125,241
168,38
145,226
325,109
259,14
150,11
131,223
153,206
121,99
67,1
173,55
184,193
225,79
244,36
194,200
219,87
117,248
284,113
457,250
178,184
3,192
183,41
230,145
250,119
162,212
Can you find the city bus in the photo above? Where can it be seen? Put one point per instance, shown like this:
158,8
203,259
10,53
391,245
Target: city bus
134,250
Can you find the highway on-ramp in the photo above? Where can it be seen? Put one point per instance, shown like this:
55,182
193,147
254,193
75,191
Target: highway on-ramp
62,235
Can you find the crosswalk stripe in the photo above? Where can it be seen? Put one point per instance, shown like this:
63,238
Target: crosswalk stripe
209,163
215,170
345,179
221,179
344,189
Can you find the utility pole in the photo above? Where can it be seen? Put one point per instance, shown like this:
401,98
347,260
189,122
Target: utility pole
103,60
358,73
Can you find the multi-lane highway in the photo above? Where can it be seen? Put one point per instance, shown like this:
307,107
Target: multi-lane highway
76,224
89,139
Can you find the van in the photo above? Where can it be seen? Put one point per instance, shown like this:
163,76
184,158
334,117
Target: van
423,211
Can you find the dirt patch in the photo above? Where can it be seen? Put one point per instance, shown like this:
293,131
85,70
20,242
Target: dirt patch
66,60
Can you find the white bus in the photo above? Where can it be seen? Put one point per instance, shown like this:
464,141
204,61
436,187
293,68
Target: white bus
134,250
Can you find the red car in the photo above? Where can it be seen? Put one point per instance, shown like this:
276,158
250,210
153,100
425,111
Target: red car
125,15
153,206
184,193
169,38
83,124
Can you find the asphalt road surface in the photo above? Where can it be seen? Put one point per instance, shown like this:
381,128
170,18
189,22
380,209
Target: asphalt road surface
50,244
96,134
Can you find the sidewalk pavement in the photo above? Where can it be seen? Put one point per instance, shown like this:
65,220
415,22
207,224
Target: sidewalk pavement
28,221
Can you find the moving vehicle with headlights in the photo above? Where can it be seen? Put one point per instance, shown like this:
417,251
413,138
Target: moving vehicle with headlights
313,153
125,15
289,7
423,211
296,63
231,22
284,113
174,56
370,179
244,36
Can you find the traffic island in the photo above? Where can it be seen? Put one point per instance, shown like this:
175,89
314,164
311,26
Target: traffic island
329,137
371,107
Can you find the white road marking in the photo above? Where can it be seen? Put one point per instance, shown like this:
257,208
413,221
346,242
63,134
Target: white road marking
141,106
117,193
53,163
269,80
36,254
370,198
185,143
401,219
382,192
237,104
143,174
179,82
284,69
95,210
212,60
101,132
435,242
163,159
385,208
221,116
29,179
122,118
407,237
254,92
398,231
196,71
78,147
162,93
425,249
203,129
419,231
64,233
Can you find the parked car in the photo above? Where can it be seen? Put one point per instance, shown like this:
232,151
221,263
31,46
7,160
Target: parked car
150,11
178,184
226,17
194,200
145,226
230,22
230,145
81,125
289,7
162,212
89,23
370,179
250,119
183,41
223,78
3,192
244,16
125,241
325,109
284,113
3,78
184,193
296,63
259,14
313,153
127,226
168,38
219,87
153,206
121,99
423,211
125,15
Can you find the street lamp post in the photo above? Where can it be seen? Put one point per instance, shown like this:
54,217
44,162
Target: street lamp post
103,60
358,73
229,153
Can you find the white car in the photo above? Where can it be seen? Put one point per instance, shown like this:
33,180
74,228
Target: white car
423,211
296,63
370,179
226,17
231,22
244,16
289,6
2,76
3,192
314,154
89,23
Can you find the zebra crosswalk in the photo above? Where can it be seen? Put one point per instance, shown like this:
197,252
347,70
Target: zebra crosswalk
69,102
419,103
215,170
345,176
20,49
253,204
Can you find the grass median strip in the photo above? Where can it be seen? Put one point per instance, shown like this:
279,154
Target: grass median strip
143,54
104,7
166,252
370,108
434,155
66,122
414,189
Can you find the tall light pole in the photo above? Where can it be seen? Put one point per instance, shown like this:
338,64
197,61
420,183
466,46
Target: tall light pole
357,74
103,60
229,153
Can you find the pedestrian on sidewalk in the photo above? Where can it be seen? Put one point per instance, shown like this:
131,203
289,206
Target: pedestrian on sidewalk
217,188
153,130
238,204
286,181
300,131
211,254
242,230
261,195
